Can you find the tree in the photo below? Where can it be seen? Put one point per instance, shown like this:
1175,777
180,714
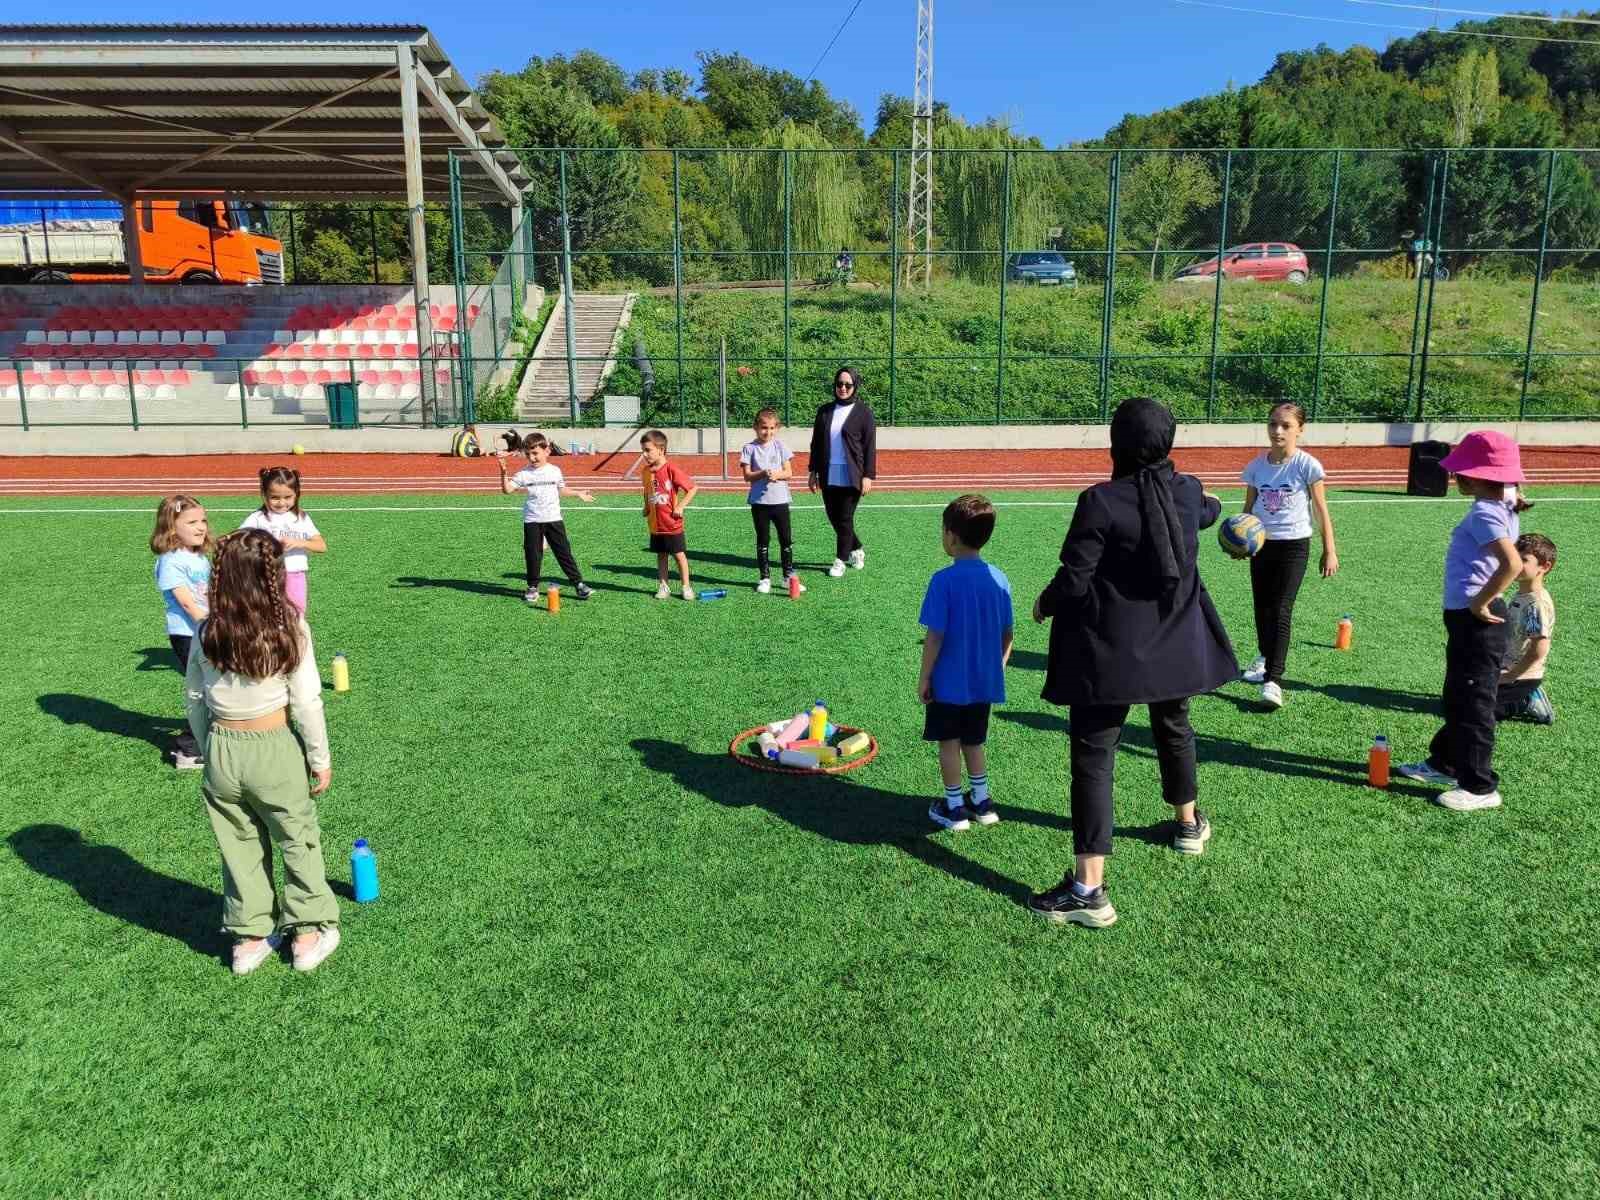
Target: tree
1159,195
587,71
970,194
750,99
824,199
1473,95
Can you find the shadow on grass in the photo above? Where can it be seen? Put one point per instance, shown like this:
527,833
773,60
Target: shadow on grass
562,582
120,886
104,717
696,580
157,658
1380,699
1027,660
476,586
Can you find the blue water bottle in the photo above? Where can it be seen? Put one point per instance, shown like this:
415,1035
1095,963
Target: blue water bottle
712,594
364,871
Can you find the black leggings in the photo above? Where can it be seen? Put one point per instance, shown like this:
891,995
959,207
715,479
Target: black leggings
184,742
1095,734
841,505
534,536
766,516
1276,572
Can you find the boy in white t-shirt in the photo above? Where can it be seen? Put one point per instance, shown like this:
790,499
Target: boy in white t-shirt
1284,491
541,514
280,515
1531,619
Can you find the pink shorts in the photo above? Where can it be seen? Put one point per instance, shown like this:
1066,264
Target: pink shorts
294,587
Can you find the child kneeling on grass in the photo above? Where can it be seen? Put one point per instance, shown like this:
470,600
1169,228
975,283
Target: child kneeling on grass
967,613
251,665
1522,695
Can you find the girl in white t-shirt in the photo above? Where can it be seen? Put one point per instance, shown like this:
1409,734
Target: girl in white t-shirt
280,515
1283,488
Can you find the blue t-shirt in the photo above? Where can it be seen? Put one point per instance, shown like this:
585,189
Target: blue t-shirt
969,603
773,456
182,568
1471,562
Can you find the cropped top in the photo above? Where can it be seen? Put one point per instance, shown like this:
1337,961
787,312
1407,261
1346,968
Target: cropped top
229,696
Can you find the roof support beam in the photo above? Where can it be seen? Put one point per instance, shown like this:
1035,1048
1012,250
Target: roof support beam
60,162
416,213
467,135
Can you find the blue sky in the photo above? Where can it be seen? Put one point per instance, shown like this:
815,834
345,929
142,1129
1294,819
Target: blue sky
1062,71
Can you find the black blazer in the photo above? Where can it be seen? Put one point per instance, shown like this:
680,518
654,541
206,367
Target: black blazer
1114,639
860,437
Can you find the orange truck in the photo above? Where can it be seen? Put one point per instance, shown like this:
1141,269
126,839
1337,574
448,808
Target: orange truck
203,239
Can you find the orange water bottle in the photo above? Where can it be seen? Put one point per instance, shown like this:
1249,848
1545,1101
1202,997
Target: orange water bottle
1345,633
1378,762
552,599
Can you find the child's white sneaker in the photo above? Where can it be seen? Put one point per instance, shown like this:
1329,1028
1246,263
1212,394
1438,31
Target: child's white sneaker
1425,772
249,954
858,559
764,587
1271,695
663,592
1256,672
688,592
837,570
313,956
1460,800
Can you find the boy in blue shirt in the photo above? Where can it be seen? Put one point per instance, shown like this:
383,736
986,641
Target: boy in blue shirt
967,613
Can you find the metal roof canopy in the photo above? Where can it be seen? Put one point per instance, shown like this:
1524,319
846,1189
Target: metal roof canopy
307,112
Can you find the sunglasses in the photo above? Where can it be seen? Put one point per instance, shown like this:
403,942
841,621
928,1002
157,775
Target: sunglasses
845,384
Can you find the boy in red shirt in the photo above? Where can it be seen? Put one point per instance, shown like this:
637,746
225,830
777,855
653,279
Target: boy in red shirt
667,492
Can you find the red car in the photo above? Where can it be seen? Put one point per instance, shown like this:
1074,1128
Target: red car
1254,260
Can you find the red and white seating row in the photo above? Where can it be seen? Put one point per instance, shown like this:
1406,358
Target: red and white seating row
120,366
96,385
347,343
307,385
370,317
125,337
160,317
67,353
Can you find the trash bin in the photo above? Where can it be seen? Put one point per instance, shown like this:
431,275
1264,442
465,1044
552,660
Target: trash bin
1424,475
342,412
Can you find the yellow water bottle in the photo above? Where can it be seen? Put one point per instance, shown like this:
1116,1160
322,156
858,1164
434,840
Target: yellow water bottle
341,673
819,721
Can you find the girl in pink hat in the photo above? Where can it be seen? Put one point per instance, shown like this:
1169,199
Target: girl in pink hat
1481,563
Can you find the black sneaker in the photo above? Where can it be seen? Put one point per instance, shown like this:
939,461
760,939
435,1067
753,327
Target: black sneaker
1192,838
983,814
1062,905
583,591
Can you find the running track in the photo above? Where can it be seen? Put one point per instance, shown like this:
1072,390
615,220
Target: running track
898,470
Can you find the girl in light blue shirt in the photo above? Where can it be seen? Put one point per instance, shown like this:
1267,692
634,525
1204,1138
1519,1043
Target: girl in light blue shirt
183,546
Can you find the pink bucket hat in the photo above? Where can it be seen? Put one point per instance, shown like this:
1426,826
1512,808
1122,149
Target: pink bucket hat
1486,454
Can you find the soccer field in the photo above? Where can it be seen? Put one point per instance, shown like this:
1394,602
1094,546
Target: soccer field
609,961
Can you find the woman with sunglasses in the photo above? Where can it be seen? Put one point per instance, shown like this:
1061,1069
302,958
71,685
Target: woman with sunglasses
844,462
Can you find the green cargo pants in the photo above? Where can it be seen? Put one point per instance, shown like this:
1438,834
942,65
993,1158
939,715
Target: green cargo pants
257,794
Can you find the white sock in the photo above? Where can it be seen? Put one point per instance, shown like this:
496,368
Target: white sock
1079,888
952,798
980,788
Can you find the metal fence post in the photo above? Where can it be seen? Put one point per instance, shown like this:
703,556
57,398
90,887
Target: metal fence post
460,364
566,290
22,392
1437,239
1327,273
238,374
1005,249
1538,278
788,251
133,400
1416,313
677,284
1113,185
294,249
1216,296
894,275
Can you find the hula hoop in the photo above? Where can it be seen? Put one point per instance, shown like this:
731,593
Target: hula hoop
766,764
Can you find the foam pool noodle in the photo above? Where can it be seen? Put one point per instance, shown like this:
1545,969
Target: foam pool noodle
826,754
795,729
798,758
855,743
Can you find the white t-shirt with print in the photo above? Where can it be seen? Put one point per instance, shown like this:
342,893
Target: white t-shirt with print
285,525
543,485
838,459
1283,493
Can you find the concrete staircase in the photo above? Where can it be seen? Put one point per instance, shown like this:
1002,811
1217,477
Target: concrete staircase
597,321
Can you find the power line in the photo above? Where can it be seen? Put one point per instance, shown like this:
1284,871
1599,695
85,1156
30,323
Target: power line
1295,16
1473,12
831,40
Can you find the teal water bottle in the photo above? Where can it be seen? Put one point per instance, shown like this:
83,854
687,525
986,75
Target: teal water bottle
364,872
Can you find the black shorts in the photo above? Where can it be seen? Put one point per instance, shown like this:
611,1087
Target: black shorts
968,723
667,543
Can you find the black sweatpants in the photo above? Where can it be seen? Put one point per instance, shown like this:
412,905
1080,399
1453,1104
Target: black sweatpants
766,516
1511,699
1095,734
184,743
1464,745
841,505
534,535
1276,573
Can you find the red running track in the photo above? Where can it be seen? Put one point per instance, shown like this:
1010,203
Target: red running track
898,470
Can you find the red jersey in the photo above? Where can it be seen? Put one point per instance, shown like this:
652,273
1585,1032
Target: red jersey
661,487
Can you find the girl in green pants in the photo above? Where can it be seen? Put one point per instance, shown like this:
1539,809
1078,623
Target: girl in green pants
250,669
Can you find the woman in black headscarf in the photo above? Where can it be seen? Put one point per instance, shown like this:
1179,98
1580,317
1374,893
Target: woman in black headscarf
1133,624
844,462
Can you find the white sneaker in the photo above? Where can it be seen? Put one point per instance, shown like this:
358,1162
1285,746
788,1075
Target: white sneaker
858,559
837,570
187,762
247,960
688,593
1423,772
1272,695
1460,800
764,587
1256,672
327,942
663,592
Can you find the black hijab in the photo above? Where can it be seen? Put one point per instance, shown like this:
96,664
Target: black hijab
1141,444
855,392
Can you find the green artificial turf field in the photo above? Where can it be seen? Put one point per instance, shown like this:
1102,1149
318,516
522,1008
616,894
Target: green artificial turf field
609,961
